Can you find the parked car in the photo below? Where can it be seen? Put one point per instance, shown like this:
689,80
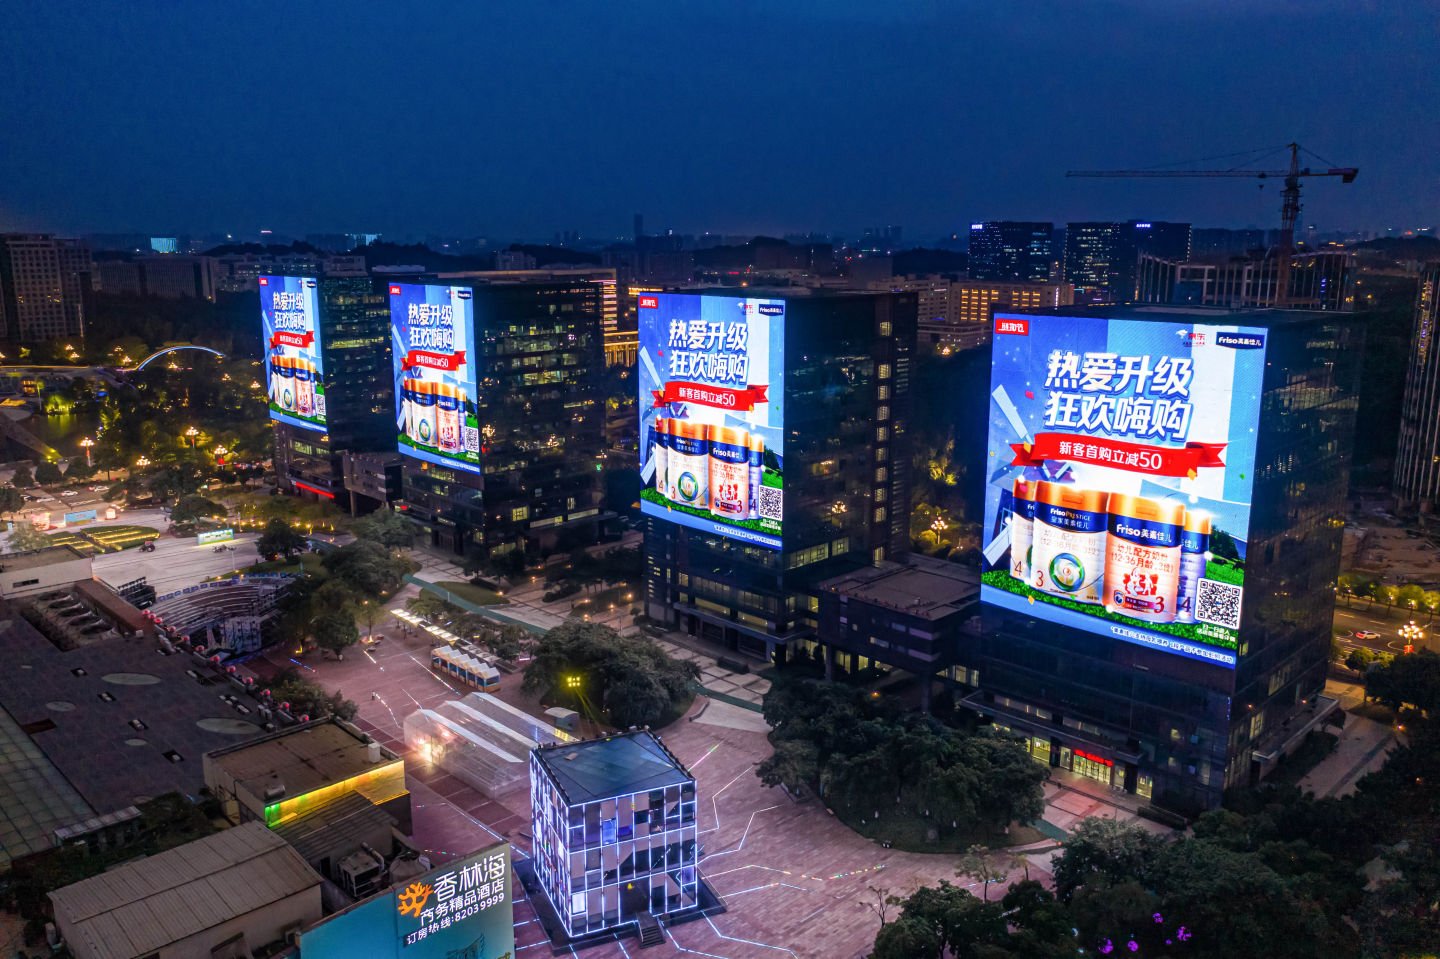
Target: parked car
1367,634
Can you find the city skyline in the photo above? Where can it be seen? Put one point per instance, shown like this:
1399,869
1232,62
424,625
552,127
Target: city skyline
518,123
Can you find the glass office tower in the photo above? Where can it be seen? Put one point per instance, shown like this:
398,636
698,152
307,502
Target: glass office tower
539,412
837,446
352,332
1141,705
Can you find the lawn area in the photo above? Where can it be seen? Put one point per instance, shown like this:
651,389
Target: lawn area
309,565
478,595
67,538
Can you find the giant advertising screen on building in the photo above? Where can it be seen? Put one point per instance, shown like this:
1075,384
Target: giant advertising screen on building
295,365
1121,458
462,909
432,329
712,413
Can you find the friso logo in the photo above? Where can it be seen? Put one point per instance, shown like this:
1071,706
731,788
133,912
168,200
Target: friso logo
767,310
1015,327
1241,341
649,302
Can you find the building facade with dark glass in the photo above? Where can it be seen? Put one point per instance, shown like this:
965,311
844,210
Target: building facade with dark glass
1180,731
541,411
846,464
354,333
1011,251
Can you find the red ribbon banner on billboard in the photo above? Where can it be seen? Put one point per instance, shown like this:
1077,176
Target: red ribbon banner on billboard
435,361
720,397
1134,457
302,340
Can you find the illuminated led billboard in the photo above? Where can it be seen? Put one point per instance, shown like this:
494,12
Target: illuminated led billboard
462,909
712,413
295,366
1121,458
433,334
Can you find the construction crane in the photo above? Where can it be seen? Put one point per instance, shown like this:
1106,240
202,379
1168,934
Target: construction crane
1289,200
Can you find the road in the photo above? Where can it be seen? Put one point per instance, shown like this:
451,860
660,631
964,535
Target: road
1358,619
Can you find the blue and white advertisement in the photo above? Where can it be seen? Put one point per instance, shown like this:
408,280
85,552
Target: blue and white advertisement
1121,458
294,360
712,414
432,330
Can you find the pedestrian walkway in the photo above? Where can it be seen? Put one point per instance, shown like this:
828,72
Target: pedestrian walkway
1070,798
1363,747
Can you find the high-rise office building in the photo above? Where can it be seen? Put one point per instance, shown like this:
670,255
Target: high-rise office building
46,286
1101,258
1417,457
327,342
499,413
167,277
775,454
1162,543
1011,251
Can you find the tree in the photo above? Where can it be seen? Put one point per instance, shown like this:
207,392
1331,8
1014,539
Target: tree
279,539
78,469
1222,544
11,500
1410,596
370,614
429,606
368,568
193,507
631,679
793,764
1359,659
1105,848
1407,680
22,478
907,938
978,864
47,473
24,536
335,631
509,642
386,527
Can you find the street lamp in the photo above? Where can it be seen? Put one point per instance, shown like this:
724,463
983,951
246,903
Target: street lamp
1412,636
87,442
142,462
191,433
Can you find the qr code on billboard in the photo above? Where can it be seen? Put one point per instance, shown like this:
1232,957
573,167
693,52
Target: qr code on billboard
1218,603
472,440
320,405
770,500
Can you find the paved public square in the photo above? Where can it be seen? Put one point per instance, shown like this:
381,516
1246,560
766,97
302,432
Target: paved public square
795,881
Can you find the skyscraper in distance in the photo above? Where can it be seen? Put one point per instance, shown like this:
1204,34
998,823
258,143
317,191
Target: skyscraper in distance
1011,251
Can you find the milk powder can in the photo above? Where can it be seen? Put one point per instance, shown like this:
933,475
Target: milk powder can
286,368
757,472
688,463
1022,523
1067,555
1194,544
1142,557
658,455
729,472
449,418
304,388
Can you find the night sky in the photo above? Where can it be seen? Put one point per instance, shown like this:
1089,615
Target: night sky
513,119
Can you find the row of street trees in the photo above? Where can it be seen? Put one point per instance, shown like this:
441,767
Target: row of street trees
1276,874
1350,586
509,642
899,775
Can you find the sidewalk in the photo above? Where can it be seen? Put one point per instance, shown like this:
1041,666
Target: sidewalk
1363,747
1070,797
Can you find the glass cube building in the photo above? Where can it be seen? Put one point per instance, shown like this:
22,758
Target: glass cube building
615,831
